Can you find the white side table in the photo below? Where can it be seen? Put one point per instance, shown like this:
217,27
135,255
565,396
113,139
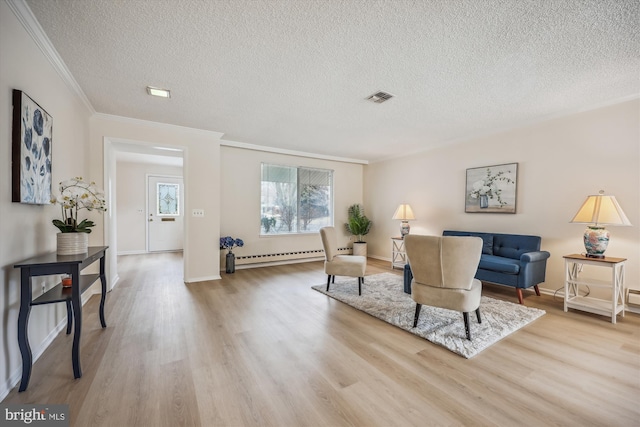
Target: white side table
398,254
573,280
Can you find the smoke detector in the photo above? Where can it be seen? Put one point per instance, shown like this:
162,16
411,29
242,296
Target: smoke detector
380,97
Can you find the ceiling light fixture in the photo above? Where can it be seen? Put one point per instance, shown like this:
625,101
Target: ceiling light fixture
156,91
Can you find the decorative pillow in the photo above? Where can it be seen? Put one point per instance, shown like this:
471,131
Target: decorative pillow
487,239
487,244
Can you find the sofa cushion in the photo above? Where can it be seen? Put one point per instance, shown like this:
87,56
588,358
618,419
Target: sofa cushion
514,245
499,264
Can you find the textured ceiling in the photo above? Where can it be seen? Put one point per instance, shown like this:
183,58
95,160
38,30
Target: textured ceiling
295,74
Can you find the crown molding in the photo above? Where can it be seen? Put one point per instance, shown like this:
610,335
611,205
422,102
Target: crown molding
255,147
157,125
28,20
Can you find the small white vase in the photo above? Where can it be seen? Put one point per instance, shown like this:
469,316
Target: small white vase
72,243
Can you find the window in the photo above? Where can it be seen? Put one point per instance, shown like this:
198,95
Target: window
168,199
295,199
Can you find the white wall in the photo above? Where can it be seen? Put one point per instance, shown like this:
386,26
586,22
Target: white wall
26,229
131,202
201,183
240,199
560,162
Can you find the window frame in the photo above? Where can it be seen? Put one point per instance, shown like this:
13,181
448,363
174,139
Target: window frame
297,221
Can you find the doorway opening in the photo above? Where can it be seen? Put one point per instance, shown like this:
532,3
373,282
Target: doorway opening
126,167
165,213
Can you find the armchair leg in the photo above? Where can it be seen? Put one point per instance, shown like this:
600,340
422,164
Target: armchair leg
519,292
360,280
333,279
415,318
537,289
465,316
478,315
328,282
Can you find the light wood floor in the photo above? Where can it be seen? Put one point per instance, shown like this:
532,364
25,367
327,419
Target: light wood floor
260,348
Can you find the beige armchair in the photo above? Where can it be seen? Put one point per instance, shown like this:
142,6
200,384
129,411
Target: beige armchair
340,265
443,274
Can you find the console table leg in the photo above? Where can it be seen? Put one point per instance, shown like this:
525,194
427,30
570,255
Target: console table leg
23,328
77,314
103,297
69,317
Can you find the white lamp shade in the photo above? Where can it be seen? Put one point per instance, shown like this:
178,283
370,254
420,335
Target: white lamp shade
404,213
601,209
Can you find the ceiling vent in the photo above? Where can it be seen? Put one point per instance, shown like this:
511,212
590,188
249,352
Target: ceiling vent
380,97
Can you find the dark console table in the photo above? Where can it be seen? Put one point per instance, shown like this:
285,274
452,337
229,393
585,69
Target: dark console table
50,264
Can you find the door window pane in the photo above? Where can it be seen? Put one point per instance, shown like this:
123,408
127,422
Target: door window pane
168,199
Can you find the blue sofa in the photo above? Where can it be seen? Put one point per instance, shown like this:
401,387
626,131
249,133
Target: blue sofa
507,259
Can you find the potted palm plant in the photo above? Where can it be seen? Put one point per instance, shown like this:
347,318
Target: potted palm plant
358,225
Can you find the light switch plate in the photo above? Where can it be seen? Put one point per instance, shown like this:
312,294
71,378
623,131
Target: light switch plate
197,213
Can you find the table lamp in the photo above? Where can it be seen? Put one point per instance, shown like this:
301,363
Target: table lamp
599,210
404,213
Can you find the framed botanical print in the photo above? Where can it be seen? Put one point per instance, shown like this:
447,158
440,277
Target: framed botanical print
32,136
492,189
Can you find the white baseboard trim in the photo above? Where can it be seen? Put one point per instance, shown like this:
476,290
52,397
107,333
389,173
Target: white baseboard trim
113,283
201,279
552,292
381,258
632,309
142,252
16,376
272,263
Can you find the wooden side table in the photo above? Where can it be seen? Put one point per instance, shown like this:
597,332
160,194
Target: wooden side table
51,264
573,280
398,254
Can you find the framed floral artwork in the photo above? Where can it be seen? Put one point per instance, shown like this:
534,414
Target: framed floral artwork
32,135
492,189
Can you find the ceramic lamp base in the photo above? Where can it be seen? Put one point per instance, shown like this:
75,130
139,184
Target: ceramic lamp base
596,240
404,228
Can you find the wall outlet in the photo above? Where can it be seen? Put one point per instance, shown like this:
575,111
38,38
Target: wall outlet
197,213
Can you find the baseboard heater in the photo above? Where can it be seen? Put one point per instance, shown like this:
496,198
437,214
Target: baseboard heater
286,256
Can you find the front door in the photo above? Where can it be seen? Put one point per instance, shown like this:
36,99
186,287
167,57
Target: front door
165,213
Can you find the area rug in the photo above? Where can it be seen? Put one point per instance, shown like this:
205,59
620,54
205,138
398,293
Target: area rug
383,297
